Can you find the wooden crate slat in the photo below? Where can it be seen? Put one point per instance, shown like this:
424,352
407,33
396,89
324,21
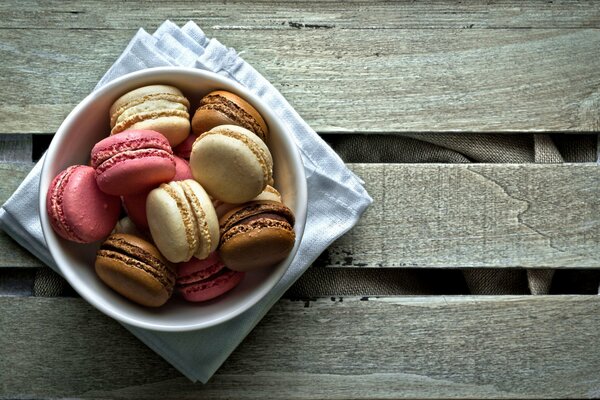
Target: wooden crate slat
503,347
402,80
454,216
277,14
477,215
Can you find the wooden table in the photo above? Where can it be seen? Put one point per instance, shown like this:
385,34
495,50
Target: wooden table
347,67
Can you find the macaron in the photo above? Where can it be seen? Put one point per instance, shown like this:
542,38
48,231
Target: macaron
269,193
202,280
132,161
160,108
182,220
184,148
135,204
225,108
256,235
134,268
79,211
231,163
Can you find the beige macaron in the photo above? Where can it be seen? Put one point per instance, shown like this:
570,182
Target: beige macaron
160,108
182,220
231,163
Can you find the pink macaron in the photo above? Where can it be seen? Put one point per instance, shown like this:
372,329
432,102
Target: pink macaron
79,211
135,204
132,162
202,280
184,149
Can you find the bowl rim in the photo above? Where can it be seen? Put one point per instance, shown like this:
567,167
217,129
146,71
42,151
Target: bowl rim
155,74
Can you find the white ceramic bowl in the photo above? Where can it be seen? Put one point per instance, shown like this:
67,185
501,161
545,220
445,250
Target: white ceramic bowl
87,124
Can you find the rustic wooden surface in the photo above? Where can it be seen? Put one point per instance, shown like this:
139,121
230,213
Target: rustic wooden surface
348,67
433,67
501,347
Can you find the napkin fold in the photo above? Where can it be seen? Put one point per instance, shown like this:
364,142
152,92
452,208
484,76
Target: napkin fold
336,197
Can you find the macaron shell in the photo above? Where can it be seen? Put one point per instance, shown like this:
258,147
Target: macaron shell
231,163
252,209
127,141
149,106
260,247
131,282
212,289
205,215
171,223
205,120
135,204
202,280
79,211
184,149
132,162
268,194
176,128
256,235
135,269
143,94
161,108
136,172
135,207
196,270
224,108
182,220
182,170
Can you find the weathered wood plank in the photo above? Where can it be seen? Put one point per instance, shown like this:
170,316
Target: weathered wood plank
454,216
291,14
15,148
479,215
403,80
11,176
502,347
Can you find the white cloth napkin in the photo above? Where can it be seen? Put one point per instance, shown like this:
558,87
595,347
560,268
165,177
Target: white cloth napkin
336,198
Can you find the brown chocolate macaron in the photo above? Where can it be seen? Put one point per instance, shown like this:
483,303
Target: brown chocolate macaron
225,108
135,268
256,235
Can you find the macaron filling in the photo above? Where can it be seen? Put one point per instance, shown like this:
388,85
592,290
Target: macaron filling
256,222
170,97
143,116
133,155
223,275
145,141
189,221
204,238
137,257
254,211
233,112
200,275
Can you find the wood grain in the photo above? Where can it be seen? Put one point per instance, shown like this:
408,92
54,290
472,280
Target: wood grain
292,14
403,80
479,215
453,216
501,347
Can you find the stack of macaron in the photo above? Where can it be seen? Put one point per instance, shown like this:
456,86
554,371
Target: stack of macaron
180,205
